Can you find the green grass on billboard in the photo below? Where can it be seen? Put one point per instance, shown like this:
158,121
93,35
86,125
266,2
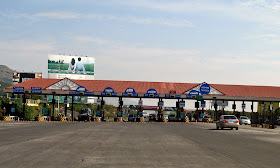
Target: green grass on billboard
63,68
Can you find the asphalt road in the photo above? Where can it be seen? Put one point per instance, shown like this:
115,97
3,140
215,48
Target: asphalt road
136,145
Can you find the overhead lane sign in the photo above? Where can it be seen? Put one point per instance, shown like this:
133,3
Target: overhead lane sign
108,92
81,90
130,92
151,93
36,90
18,89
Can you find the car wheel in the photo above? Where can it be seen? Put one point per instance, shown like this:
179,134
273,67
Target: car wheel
231,128
222,128
217,127
236,128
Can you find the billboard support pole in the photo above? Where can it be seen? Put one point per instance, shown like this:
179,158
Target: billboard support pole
72,112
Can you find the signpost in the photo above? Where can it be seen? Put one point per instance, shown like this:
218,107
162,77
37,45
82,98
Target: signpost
203,104
140,103
161,103
182,104
243,106
13,99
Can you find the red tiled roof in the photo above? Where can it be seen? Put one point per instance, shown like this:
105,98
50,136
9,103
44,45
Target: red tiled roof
161,87
140,87
248,91
43,83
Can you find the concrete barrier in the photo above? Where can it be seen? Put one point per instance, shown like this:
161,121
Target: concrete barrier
6,118
97,119
40,119
61,119
255,125
119,119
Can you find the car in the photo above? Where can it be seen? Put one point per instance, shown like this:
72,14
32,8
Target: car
85,115
244,120
227,121
145,114
131,118
206,119
278,121
171,117
152,117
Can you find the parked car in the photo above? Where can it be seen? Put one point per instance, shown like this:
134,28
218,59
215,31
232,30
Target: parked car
278,121
131,118
152,117
206,119
227,121
244,120
145,114
171,117
85,115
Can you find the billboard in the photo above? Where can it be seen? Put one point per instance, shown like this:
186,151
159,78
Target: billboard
72,67
19,77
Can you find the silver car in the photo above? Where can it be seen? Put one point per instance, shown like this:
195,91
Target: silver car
227,121
244,120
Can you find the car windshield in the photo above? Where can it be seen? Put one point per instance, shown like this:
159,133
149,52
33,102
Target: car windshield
244,117
229,117
84,112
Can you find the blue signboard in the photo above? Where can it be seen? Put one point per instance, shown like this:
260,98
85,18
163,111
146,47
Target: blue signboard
243,105
177,96
182,104
168,96
205,88
194,92
13,110
130,92
109,91
151,93
81,89
13,99
37,90
203,104
18,89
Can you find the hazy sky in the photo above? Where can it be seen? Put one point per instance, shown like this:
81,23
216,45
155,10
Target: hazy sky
213,41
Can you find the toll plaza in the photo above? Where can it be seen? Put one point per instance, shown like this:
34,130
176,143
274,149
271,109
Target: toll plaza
265,96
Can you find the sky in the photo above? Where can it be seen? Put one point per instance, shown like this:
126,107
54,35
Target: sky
191,41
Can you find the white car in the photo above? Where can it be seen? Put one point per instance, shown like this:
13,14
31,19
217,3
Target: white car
244,120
